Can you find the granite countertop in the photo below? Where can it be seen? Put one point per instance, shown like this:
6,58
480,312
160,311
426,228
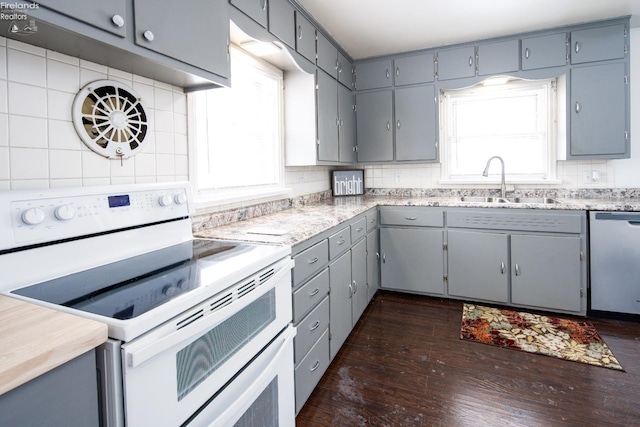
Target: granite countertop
37,339
295,225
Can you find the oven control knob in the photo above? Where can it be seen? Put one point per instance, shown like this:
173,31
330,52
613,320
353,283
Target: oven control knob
180,199
33,216
165,200
65,212
169,290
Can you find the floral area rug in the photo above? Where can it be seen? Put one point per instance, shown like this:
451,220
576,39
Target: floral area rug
565,339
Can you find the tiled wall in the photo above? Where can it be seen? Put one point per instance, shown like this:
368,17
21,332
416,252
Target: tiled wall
39,147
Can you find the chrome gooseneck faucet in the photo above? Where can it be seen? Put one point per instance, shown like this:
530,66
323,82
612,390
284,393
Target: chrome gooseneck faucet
503,187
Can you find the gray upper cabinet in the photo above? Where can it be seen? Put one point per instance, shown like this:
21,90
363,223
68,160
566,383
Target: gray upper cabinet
544,51
327,56
327,113
599,44
305,37
499,57
254,9
202,43
414,69
599,112
372,75
374,127
415,122
110,16
345,71
456,63
282,21
347,125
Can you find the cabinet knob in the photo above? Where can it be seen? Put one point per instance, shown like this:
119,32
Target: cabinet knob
577,107
118,21
148,35
388,125
471,61
526,53
398,124
299,32
337,67
388,75
517,268
397,71
263,5
502,268
577,47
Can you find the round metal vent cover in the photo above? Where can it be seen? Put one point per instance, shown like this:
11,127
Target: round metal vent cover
110,119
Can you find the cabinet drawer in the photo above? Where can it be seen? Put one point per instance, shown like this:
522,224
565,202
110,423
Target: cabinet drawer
372,221
311,369
423,217
311,329
309,261
358,229
339,242
310,294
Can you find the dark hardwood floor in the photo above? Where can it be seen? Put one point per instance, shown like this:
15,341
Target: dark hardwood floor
405,365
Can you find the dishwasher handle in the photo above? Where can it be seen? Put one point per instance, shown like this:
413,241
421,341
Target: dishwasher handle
632,218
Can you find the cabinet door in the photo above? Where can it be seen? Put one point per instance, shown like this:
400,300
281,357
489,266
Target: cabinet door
340,319
327,110
497,58
415,121
598,44
374,128
544,51
345,71
202,43
327,56
372,75
360,292
110,16
478,265
254,9
414,69
599,111
545,272
282,21
412,260
347,128
457,63
305,38
373,262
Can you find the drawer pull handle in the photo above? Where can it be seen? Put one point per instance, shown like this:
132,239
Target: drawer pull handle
313,260
314,326
341,242
502,268
527,53
355,287
377,256
410,218
315,292
517,270
359,229
315,366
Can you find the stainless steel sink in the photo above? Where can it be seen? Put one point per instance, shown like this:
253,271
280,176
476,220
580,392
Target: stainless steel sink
532,200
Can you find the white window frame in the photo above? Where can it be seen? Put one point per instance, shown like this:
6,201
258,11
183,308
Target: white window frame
209,197
554,137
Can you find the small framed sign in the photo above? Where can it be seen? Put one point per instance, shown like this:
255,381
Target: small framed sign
347,182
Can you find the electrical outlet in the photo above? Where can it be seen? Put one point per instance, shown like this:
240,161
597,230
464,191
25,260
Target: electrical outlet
398,177
301,180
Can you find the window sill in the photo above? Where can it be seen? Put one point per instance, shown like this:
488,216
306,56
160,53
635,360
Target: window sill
206,200
493,182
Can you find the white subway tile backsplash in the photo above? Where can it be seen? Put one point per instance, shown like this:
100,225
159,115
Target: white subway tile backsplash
165,165
179,103
163,99
180,124
93,66
119,180
4,130
27,132
63,76
125,169
145,164
181,144
163,121
25,47
182,165
164,143
92,182
94,165
61,57
27,100
4,97
145,92
59,183
162,85
62,135
59,105
3,63
26,68
29,163
4,164
144,80
64,164
88,75
27,184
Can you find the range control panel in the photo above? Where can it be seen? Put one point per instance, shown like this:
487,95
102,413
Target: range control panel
40,216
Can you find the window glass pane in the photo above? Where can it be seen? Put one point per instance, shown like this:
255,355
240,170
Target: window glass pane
238,129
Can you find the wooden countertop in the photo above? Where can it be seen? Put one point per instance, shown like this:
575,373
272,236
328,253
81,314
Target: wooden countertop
35,339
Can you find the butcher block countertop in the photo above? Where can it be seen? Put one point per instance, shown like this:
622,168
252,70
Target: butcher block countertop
35,339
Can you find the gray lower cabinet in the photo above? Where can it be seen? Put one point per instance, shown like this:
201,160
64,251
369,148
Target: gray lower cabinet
282,21
478,265
341,320
359,283
109,16
309,371
254,9
412,260
599,111
416,124
202,43
546,272
456,63
373,262
544,51
374,126
64,396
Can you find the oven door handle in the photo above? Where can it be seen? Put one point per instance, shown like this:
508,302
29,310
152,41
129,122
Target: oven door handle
144,349
259,384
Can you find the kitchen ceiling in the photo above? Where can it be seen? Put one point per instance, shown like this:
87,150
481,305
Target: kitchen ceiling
366,28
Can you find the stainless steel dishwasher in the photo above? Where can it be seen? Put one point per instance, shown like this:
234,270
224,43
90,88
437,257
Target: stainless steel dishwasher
615,261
